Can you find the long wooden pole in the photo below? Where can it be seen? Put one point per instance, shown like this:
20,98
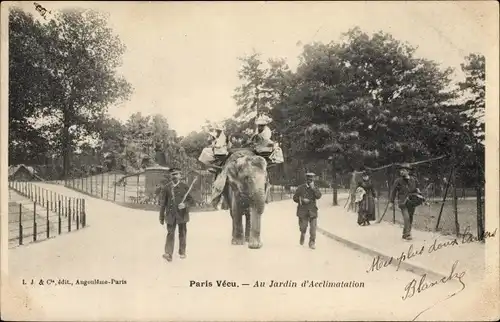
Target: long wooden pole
444,197
189,190
411,164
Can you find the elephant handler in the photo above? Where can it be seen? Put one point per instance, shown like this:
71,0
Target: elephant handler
176,211
307,211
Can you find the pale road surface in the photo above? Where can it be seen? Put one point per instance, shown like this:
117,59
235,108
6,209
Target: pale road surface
123,243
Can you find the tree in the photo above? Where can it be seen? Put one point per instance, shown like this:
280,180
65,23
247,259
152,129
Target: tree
474,89
249,96
29,91
369,101
474,86
148,139
194,143
79,55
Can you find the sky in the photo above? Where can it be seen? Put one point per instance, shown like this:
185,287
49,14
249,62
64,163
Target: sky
182,57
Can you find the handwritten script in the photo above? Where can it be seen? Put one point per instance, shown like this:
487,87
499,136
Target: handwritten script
415,287
380,262
420,286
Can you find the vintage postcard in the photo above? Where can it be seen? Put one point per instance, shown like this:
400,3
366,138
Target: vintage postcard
250,161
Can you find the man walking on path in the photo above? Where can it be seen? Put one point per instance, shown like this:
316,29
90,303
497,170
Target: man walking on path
174,208
307,211
409,197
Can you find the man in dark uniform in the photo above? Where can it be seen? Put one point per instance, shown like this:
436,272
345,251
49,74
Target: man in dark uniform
409,197
307,211
174,208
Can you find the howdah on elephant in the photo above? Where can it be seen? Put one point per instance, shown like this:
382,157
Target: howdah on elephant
245,192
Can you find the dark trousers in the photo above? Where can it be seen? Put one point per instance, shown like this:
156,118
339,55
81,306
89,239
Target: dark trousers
312,222
170,242
408,213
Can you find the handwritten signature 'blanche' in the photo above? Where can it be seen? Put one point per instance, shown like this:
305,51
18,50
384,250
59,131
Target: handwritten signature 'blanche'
422,285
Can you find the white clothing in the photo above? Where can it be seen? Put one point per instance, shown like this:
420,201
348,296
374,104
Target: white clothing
218,147
265,134
220,144
207,155
277,155
360,192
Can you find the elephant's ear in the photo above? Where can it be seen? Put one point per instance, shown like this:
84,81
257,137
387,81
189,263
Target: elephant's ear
232,173
259,162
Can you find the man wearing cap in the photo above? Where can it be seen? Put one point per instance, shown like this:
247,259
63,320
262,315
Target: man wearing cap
406,189
307,211
174,208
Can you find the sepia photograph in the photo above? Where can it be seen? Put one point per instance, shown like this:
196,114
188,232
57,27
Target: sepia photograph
250,161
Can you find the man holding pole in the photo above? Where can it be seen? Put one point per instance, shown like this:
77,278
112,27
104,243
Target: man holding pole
409,197
175,196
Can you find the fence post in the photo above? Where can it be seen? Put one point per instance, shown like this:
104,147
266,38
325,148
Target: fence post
59,216
69,215
114,189
65,206
20,224
107,186
84,214
137,189
124,185
75,208
34,221
76,211
48,223
91,186
102,185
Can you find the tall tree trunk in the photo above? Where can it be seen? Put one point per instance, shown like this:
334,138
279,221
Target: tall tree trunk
66,149
455,204
334,183
479,201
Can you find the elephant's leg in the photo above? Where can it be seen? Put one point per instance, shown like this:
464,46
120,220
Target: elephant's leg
237,237
233,227
247,226
255,218
238,230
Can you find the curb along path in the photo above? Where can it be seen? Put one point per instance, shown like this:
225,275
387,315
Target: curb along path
428,253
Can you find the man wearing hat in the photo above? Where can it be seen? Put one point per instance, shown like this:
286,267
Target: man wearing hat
307,211
405,188
174,209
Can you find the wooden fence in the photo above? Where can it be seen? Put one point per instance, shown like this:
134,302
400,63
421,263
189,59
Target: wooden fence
36,213
133,191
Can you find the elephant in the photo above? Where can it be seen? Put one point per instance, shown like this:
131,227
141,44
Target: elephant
245,192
